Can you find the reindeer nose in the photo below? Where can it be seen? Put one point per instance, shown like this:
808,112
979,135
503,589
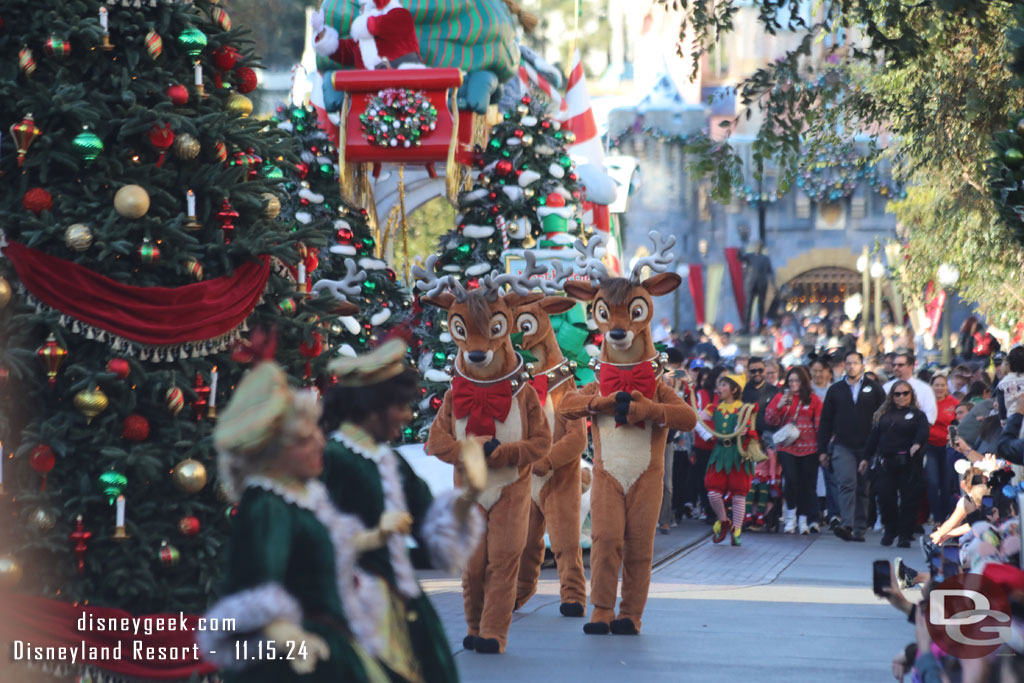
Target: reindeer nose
477,356
617,335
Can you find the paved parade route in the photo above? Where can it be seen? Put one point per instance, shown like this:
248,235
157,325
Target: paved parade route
779,608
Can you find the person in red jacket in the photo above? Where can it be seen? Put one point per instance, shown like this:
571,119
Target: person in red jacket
798,405
940,477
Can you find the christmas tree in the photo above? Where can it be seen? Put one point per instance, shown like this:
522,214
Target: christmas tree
314,200
525,194
137,202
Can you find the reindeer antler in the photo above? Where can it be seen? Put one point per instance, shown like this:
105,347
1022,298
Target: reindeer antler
659,261
588,261
557,284
427,281
345,287
521,284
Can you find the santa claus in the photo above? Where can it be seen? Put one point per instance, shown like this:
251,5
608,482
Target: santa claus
383,35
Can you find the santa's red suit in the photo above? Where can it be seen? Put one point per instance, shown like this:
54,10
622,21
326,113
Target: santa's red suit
382,34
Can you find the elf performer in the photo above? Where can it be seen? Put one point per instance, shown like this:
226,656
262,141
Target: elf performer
490,400
729,473
364,412
303,609
632,412
383,36
555,488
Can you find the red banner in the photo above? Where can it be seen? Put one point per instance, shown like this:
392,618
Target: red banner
40,623
935,299
732,257
156,316
696,282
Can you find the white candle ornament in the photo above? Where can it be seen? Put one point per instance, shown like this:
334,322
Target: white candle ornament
120,510
103,20
302,273
191,198
213,387
199,73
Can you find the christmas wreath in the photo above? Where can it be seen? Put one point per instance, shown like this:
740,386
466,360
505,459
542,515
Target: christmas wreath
398,117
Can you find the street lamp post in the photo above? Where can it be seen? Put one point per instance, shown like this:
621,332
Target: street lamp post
877,271
682,271
863,263
948,276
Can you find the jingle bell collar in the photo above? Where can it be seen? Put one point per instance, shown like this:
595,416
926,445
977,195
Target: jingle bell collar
383,363
259,408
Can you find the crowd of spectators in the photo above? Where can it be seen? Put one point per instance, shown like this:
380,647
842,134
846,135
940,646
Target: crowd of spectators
861,437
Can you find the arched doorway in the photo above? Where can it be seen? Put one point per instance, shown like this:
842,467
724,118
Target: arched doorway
822,278
809,292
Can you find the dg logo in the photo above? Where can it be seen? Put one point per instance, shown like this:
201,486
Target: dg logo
968,616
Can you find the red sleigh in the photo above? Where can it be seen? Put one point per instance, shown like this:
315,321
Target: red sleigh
451,139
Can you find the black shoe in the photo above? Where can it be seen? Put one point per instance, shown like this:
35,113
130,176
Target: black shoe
904,575
624,627
469,642
596,628
571,609
487,646
904,542
888,538
843,532
858,536
833,522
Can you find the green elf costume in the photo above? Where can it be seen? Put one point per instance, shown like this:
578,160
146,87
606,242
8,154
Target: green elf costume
367,479
304,611
729,473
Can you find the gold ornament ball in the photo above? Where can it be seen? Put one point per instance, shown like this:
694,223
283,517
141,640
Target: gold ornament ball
5,292
240,104
271,205
189,476
10,571
186,147
78,237
91,402
41,520
131,201
527,140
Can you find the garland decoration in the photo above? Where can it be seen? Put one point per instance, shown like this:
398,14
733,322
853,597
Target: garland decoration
398,116
159,324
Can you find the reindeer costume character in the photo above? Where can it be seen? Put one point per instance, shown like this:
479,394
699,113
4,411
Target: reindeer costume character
490,400
632,412
555,487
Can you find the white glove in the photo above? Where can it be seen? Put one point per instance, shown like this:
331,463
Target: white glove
317,22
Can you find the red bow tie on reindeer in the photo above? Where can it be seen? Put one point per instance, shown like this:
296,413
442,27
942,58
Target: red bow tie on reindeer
623,309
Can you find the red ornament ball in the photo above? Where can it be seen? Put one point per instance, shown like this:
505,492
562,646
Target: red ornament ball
555,200
188,526
225,58
119,366
37,200
503,167
302,168
178,94
246,79
314,348
42,459
136,428
345,235
435,402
